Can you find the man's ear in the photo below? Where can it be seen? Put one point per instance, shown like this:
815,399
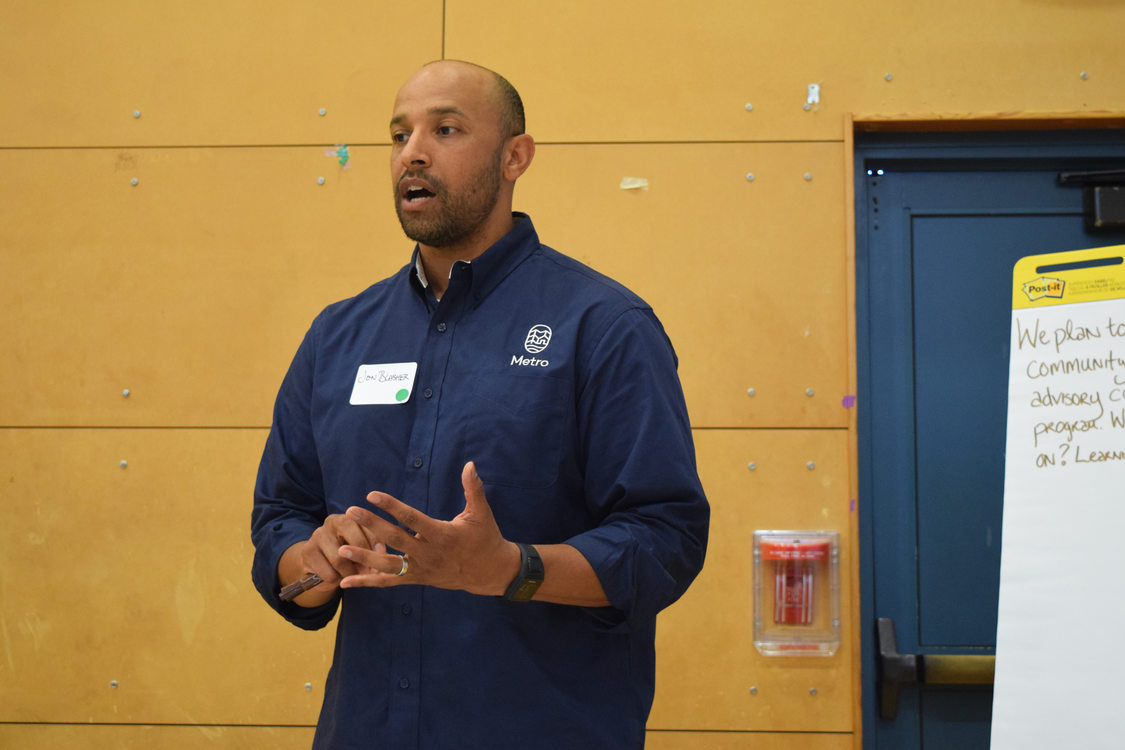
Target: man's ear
518,153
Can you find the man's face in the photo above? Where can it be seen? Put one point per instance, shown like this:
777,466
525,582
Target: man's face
445,155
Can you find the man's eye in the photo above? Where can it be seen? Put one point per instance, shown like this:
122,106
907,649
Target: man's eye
399,137
447,130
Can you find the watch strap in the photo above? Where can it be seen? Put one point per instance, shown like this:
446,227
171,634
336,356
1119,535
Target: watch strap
527,581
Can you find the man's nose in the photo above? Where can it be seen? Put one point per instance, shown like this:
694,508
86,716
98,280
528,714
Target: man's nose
414,152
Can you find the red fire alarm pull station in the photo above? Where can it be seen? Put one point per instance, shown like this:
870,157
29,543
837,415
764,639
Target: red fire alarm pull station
796,593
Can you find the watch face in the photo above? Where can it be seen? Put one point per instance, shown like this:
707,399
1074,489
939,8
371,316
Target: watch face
526,590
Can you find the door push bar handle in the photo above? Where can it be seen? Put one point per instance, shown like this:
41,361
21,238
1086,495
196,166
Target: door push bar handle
896,670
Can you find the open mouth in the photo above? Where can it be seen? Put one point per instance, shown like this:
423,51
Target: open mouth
415,194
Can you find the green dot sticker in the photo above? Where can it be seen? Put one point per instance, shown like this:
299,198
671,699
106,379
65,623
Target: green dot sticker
402,395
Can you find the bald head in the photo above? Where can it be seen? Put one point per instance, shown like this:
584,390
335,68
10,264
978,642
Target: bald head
457,149
509,105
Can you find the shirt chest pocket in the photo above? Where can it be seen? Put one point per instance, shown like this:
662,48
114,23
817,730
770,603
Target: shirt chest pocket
517,427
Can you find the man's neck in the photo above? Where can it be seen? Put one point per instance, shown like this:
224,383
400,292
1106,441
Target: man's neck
437,261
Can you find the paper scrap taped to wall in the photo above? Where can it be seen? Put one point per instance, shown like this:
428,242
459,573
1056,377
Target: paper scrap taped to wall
634,183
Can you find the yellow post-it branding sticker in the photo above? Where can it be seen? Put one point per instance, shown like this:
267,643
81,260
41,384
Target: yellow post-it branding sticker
1044,287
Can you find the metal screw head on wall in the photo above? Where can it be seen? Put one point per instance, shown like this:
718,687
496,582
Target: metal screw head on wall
113,684
753,690
134,182
752,466
749,176
1084,76
810,465
749,107
319,180
124,464
812,692
810,392
125,393
136,114
888,77
808,176
751,392
322,111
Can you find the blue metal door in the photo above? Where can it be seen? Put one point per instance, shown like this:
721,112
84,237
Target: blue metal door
940,223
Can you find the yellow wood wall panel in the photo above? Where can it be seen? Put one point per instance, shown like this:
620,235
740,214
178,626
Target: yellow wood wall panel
746,276
210,73
119,296
746,741
142,737
207,72
646,70
141,575
191,288
707,661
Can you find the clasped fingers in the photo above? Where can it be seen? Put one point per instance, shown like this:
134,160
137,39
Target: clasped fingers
375,567
321,554
378,530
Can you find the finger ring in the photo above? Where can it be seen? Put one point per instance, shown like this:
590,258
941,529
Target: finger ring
405,566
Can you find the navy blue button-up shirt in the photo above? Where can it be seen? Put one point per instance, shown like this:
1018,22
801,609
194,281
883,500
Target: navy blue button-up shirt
561,385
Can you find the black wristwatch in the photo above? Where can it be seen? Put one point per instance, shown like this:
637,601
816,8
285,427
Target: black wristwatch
527,581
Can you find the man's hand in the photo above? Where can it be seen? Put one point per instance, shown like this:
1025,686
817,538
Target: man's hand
468,553
320,554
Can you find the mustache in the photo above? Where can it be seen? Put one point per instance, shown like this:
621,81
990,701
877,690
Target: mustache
433,182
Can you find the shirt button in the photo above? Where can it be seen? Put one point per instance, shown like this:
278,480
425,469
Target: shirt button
441,327
407,609
428,393
418,463
404,683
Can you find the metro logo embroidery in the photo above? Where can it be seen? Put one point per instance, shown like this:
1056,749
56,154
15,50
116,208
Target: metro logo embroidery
538,339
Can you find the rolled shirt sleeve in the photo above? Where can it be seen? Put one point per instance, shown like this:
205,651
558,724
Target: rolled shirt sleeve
640,476
288,494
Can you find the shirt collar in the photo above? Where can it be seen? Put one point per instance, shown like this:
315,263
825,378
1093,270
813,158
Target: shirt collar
495,263
420,270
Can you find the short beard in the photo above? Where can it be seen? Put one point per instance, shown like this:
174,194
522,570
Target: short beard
463,214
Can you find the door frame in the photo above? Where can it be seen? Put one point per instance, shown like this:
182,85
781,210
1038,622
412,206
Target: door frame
919,142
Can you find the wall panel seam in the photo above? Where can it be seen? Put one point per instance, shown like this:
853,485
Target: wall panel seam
380,144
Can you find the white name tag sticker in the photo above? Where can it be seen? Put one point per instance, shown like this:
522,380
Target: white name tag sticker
383,384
